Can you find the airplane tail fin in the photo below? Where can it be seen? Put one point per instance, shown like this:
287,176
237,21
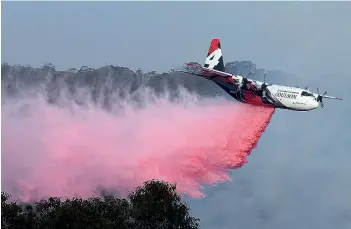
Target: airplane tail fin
214,58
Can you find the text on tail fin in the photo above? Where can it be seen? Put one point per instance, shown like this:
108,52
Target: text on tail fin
214,58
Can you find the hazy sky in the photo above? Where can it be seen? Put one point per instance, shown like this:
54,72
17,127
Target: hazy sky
297,37
299,176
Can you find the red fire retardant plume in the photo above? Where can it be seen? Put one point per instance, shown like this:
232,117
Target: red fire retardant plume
66,152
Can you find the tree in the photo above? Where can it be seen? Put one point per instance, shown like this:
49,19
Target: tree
14,216
153,205
157,205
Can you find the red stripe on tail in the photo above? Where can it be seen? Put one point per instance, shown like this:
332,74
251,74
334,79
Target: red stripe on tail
215,44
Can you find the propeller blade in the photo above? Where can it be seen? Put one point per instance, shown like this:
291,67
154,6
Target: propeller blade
250,72
325,93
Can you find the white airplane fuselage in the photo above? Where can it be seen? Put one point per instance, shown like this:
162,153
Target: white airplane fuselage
291,98
254,92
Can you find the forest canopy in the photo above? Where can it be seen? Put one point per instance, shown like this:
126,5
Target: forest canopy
154,205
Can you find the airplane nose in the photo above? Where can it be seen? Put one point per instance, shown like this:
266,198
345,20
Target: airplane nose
315,104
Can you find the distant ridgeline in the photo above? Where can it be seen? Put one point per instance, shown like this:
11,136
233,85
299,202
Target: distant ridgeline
108,79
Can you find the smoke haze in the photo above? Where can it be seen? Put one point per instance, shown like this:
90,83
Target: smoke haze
299,175
296,176
70,150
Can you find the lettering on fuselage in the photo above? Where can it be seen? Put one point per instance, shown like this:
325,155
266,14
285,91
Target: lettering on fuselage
299,103
290,95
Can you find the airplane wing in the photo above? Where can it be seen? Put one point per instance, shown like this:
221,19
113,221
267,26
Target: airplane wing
214,70
228,82
331,97
319,96
212,74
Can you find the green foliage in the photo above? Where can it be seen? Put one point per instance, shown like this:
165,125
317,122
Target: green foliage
157,205
153,205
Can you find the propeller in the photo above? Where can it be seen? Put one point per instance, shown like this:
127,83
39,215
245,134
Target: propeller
320,97
245,81
249,74
264,85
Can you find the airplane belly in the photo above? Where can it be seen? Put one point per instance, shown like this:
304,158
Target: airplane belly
286,102
298,104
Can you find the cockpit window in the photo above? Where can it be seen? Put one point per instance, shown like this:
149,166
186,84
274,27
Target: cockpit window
305,93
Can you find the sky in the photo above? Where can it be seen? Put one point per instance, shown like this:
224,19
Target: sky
298,177
296,37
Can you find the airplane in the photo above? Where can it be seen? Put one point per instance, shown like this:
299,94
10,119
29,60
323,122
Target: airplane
254,92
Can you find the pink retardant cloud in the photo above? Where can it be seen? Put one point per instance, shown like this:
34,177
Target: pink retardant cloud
71,151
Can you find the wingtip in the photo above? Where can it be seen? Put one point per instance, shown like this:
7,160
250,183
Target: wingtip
192,64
